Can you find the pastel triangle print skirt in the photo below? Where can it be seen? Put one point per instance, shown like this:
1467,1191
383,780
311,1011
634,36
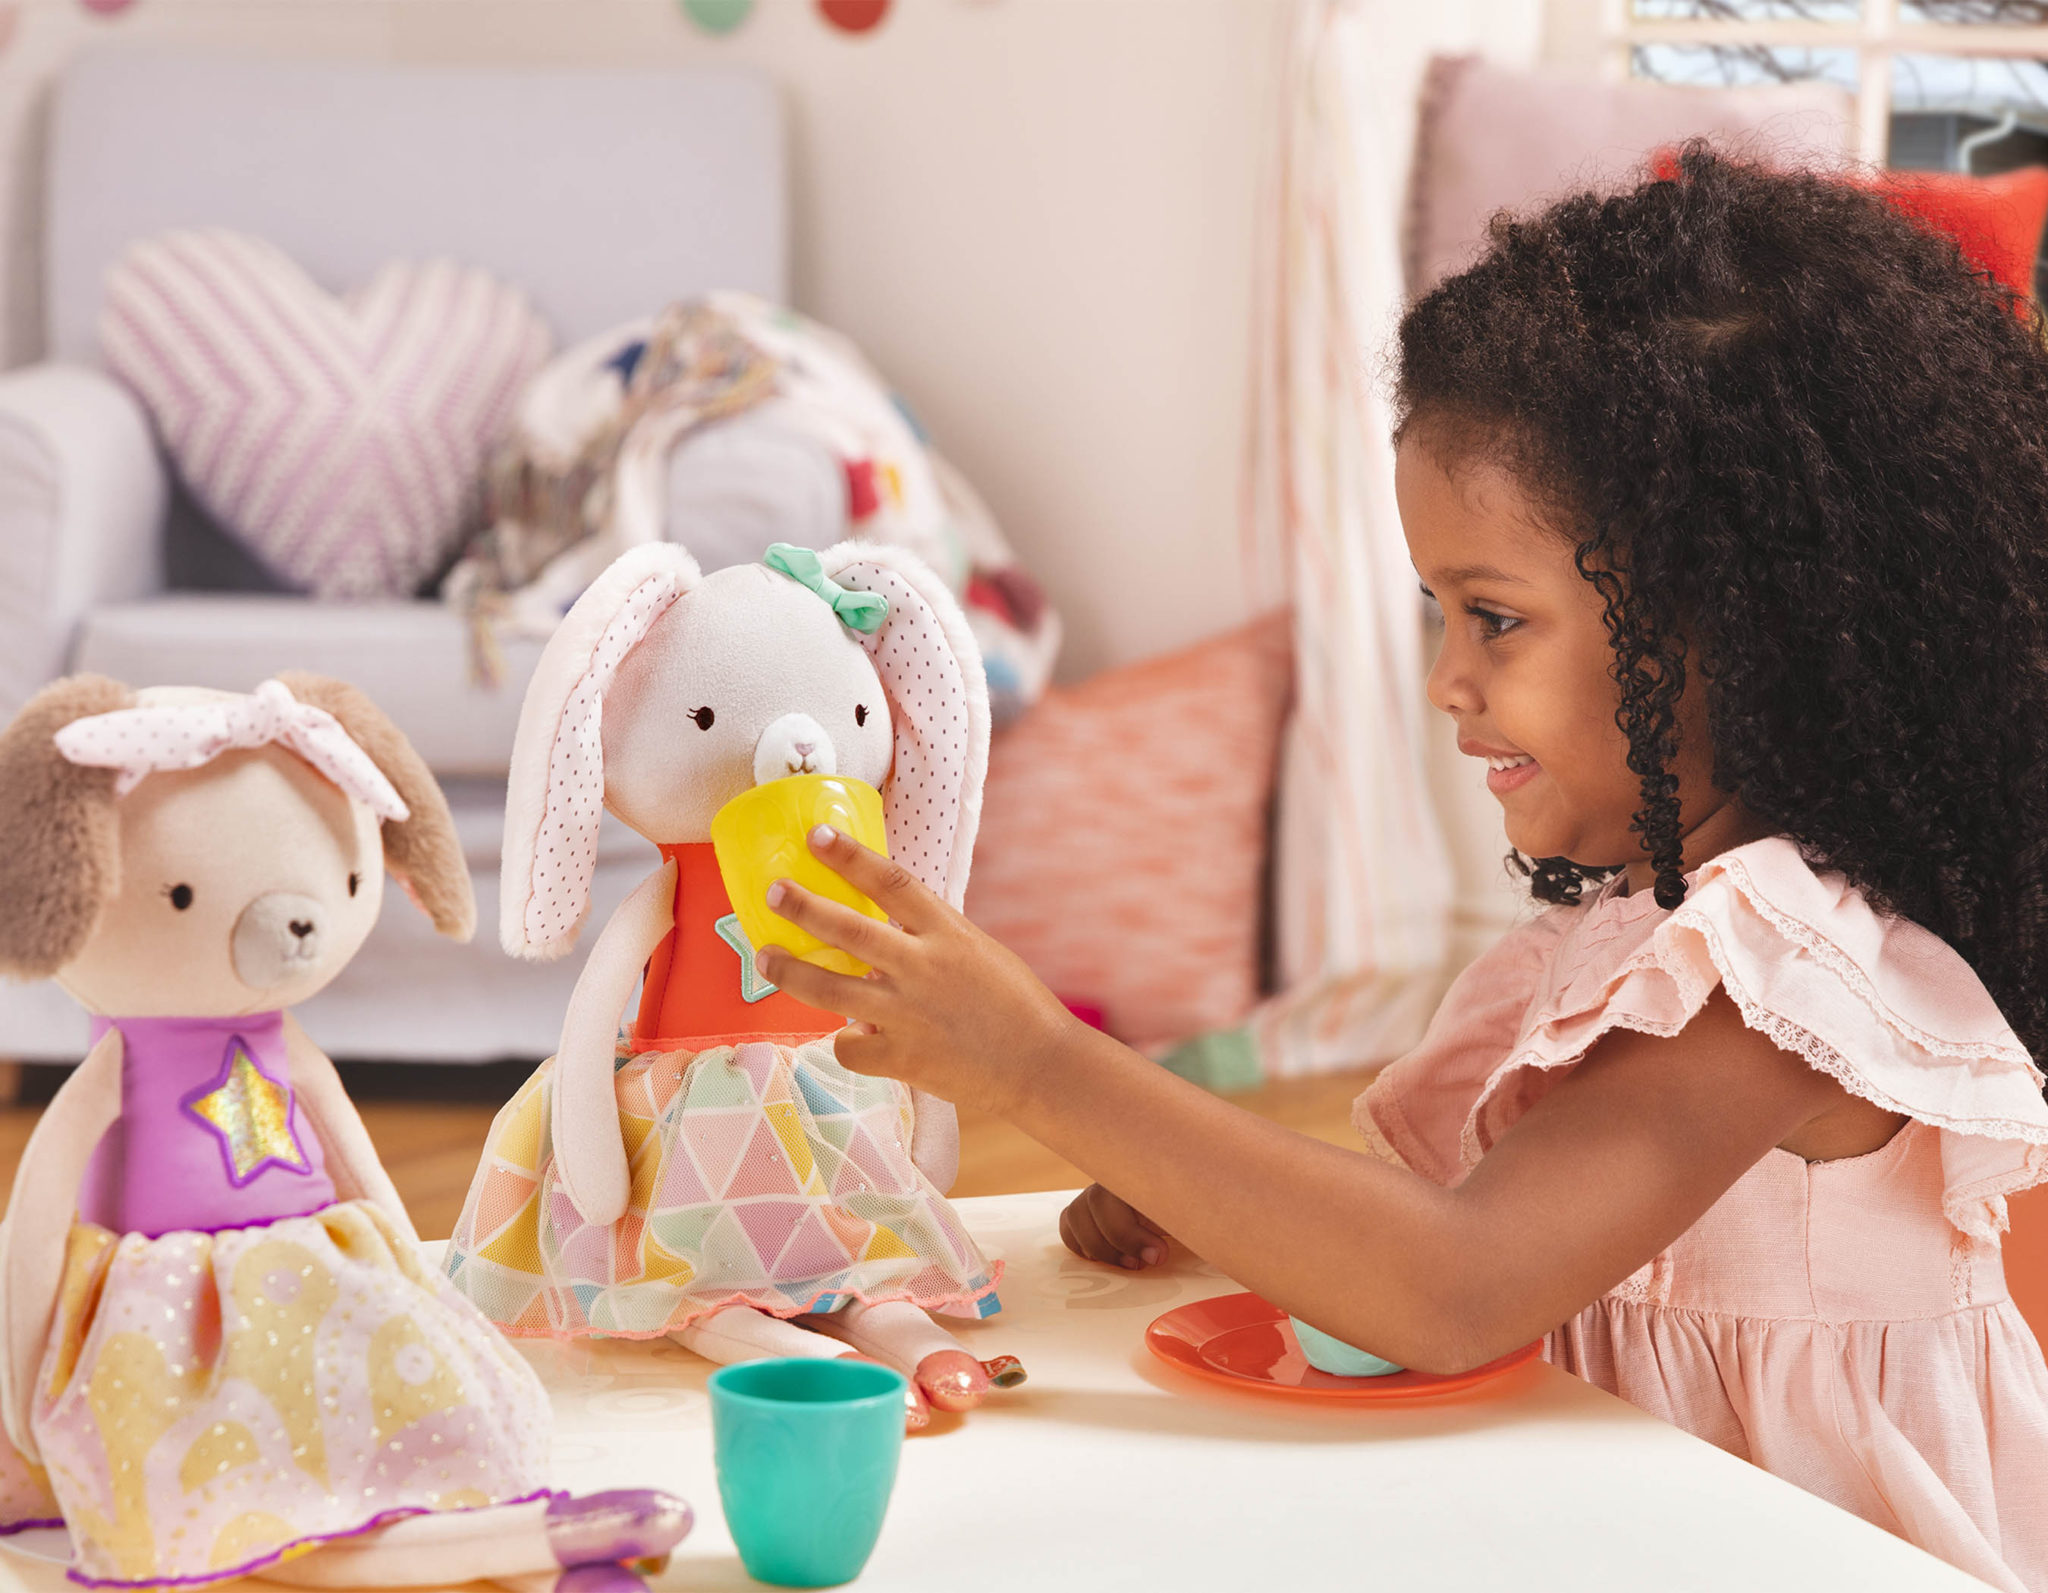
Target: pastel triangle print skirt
763,1175
213,1403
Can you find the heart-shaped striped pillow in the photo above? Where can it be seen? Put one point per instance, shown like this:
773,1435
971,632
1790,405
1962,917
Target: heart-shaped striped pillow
341,440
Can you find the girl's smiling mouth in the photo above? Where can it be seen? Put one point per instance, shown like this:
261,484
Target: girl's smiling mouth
1505,771
1509,774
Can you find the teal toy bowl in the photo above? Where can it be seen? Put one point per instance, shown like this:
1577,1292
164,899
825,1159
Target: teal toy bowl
1336,1357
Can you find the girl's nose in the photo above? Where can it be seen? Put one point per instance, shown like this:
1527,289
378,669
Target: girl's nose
1450,687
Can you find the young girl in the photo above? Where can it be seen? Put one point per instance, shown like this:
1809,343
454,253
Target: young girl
1734,493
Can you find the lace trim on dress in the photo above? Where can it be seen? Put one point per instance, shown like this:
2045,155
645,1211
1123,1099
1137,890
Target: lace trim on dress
1843,967
1376,1143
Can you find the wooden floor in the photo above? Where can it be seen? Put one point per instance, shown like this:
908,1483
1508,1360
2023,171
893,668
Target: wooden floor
431,1147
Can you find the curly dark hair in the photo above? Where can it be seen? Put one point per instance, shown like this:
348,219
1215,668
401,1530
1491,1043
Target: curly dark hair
1800,444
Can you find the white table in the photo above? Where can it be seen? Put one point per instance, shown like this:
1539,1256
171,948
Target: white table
1111,1470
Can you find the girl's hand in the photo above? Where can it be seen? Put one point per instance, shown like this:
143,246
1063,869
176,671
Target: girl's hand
1098,1226
944,1007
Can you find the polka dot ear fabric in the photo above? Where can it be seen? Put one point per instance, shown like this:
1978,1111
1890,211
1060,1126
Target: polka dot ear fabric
854,16
928,699
565,850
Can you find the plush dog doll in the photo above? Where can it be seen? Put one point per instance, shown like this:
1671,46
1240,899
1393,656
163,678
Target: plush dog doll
727,1182
222,1351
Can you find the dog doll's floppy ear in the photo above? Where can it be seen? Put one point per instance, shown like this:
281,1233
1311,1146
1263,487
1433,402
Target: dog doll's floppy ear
555,798
60,839
421,849
930,666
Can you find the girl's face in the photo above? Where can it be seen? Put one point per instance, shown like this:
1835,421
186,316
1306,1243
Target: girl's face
1524,671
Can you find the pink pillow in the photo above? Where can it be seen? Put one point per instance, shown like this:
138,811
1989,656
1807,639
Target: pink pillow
342,441
1488,137
1123,834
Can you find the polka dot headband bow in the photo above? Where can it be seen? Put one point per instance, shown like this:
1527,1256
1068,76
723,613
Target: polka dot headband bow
163,736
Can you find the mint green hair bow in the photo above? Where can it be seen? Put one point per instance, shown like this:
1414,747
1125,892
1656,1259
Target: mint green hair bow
864,611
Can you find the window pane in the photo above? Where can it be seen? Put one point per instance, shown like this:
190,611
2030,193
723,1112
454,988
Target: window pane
1985,13
1981,85
1948,110
1723,65
1753,10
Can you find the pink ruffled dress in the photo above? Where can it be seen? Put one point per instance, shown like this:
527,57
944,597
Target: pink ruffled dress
1842,1324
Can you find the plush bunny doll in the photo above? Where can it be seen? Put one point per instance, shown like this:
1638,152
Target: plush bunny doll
728,1182
221,1352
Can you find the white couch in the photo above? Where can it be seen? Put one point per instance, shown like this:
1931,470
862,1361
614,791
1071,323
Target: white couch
603,195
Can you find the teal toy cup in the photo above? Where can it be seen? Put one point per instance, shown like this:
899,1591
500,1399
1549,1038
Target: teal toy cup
1336,1357
806,1453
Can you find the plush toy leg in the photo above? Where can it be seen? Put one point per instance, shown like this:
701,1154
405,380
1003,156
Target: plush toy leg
556,1545
898,1333
740,1333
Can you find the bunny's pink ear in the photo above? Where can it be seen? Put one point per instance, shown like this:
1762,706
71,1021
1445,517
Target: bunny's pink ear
555,798
938,701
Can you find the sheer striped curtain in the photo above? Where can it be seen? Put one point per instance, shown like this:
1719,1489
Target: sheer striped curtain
1364,882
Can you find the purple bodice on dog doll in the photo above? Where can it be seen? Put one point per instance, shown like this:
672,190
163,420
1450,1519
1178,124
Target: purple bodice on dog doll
211,1134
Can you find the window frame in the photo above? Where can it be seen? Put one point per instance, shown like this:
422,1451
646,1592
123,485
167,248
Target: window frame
1877,34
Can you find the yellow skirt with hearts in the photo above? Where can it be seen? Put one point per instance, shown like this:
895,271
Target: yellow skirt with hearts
212,1403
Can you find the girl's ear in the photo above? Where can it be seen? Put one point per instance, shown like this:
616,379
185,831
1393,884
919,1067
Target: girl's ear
930,666
422,849
555,797
60,839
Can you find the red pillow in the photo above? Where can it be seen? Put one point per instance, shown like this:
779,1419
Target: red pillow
1996,221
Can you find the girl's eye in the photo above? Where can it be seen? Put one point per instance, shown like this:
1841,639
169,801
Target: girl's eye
1492,626
705,718
181,896
860,713
355,883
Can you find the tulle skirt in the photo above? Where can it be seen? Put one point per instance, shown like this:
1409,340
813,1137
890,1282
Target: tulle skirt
212,1403
762,1174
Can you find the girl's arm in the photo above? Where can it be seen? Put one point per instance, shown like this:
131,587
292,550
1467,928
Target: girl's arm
36,1234
352,1160
1604,1172
589,1153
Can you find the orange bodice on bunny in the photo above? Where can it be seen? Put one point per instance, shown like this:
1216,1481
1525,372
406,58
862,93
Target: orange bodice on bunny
701,989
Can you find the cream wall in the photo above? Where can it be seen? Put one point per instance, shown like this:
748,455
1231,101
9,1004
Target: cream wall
1036,215
1039,217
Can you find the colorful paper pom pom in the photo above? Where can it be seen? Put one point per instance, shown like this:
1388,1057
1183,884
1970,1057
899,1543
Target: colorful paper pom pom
854,16
718,16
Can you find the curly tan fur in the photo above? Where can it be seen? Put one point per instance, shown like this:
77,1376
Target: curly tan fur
422,850
60,841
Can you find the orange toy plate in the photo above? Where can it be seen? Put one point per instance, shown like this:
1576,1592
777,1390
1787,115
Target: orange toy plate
1246,1342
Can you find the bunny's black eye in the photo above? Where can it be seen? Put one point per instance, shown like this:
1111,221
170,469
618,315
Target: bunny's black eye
860,713
705,718
181,896
355,883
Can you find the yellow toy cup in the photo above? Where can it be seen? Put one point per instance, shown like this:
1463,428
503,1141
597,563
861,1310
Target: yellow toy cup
762,836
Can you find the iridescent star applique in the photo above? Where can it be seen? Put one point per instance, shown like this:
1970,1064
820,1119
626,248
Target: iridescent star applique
252,1114
752,986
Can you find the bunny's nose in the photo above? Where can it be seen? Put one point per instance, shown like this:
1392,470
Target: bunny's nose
793,744
301,928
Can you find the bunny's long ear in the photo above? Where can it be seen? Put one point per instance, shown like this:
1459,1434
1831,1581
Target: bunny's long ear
556,795
938,701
